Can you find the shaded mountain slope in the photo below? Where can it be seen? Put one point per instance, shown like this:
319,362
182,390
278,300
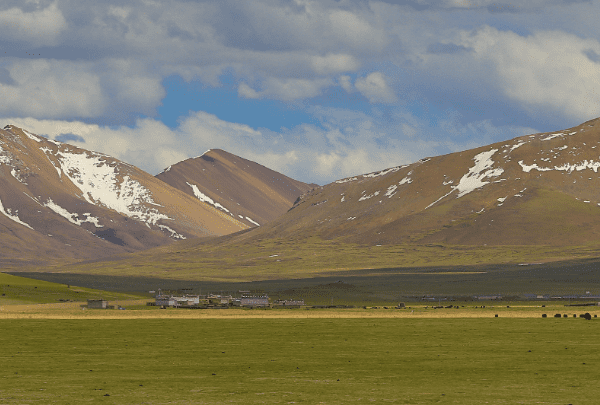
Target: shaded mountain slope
243,189
60,202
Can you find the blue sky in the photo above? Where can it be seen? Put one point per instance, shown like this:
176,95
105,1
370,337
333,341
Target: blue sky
318,90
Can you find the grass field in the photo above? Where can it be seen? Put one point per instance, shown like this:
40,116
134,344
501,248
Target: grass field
277,259
376,285
21,290
312,361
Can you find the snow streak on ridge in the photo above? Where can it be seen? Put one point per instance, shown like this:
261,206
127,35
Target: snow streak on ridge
13,217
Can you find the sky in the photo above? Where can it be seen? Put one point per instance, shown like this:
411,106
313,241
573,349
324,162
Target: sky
317,90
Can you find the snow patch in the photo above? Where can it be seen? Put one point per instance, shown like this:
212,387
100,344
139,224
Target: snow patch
12,216
254,222
349,179
99,184
49,151
552,136
31,136
204,198
521,143
174,234
202,154
383,172
16,175
391,191
3,158
71,217
567,167
474,179
406,180
366,197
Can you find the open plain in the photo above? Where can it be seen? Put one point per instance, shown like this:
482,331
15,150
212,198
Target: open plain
312,357
58,352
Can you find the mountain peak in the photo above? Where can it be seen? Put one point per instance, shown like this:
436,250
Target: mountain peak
82,204
238,187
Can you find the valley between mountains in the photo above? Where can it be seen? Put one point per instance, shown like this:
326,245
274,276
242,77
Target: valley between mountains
532,199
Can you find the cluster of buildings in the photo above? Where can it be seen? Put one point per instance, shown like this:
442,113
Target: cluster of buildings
220,301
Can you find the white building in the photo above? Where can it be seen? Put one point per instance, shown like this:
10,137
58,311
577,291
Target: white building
249,301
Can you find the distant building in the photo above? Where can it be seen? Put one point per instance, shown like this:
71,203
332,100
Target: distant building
488,297
98,304
254,301
289,303
163,300
219,299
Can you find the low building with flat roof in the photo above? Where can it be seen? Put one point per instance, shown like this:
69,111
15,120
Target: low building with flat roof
254,301
98,304
289,303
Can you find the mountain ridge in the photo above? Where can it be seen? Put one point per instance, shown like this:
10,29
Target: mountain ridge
531,199
248,191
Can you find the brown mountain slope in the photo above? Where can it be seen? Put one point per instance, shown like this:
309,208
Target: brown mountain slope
238,187
530,199
540,189
60,202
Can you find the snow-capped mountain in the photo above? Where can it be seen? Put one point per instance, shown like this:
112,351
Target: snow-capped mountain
240,188
58,201
540,189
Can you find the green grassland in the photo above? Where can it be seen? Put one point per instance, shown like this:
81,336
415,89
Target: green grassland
276,259
21,290
375,286
311,361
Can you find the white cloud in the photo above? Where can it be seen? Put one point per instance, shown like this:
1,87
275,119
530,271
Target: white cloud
286,89
247,92
375,88
334,63
352,29
47,88
546,69
349,143
53,89
38,28
345,82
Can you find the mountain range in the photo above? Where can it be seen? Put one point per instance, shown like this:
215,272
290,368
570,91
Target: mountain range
538,190
60,203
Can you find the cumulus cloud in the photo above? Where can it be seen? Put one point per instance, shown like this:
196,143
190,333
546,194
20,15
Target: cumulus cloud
286,89
334,63
346,143
346,83
546,69
102,65
491,5
37,28
375,88
48,88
